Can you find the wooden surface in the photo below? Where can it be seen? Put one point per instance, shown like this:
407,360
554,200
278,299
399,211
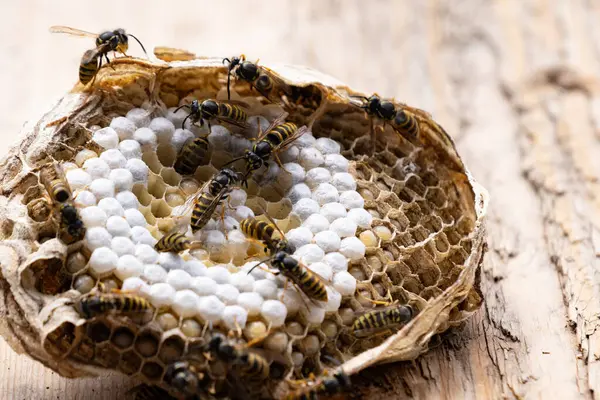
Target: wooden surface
514,81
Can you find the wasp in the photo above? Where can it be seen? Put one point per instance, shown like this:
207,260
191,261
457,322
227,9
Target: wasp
309,282
191,156
248,363
91,62
276,138
381,320
260,78
186,378
53,179
95,304
212,110
206,200
71,223
401,119
175,242
337,383
263,231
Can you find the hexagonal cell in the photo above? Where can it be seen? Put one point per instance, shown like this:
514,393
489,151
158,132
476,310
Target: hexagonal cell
429,178
106,355
156,186
171,349
191,328
397,271
458,256
152,371
146,343
166,155
152,161
84,283
413,284
419,234
467,245
129,363
413,213
84,351
431,223
142,194
464,225
430,293
452,236
160,208
59,341
122,337
170,176
405,240
39,210
98,331
441,242
414,183
436,196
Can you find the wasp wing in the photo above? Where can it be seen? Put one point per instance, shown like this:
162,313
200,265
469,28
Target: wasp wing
91,55
72,31
276,122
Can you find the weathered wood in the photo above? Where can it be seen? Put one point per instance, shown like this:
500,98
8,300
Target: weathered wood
514,81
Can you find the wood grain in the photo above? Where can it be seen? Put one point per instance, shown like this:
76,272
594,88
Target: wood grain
514,81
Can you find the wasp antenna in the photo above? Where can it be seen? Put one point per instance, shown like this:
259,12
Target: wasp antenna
234,160
360,97
260,263
185,119
226,59
229,83
140,43
180,107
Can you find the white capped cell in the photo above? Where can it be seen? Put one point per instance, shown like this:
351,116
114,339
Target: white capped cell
304,208
111,207
219,138
251,302
78,178
274,312
333,211
103,261
146,253
336,163
139,170
176,116
292,299
227,293
113,158
67,166
316,176
93,216
127,199
84,155
334,300
353,248
314,314
242,212
266,288
170,260
322,269
146,138
180,138
85,198
310,158
186,303
316,223
234,317
211,308
299,236
218,273
296,171
161,294
122,245
328,240
122,178
344,227
327,146
258,125
163,128
237,197
124,127
179,279
214,240
337,261
154,273
130,149
325,193
242,281
344,283
203,285
306,140
135,218
141,235
97,237
343,181
106,138
134,284
290,154
309,253
128,266
238,145
227,224
97,168
195,268
361,217
297,359
299,191
102,188
139,117
257,272
352,199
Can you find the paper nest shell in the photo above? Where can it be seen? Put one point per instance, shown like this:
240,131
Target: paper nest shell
29,316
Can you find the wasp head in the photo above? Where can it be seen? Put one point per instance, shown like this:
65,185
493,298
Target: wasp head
209,109
386,110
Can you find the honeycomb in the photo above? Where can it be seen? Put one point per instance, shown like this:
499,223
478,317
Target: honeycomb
380,218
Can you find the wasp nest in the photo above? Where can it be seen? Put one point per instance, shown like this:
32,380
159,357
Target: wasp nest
380,218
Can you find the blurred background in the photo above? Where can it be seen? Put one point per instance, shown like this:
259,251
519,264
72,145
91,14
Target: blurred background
513,81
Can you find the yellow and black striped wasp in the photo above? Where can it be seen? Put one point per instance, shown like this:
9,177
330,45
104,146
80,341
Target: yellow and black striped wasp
176,242
187,377
95,303
206,200
381,320
324,386
53,179
401,118
231,112
264,80
193,154
116,41
263,231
